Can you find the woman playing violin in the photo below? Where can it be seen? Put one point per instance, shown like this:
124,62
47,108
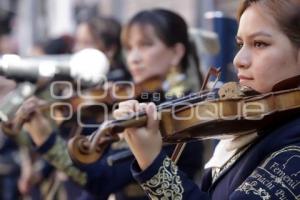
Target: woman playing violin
156,44
262,165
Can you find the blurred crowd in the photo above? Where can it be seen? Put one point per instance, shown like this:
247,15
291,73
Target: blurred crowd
154,43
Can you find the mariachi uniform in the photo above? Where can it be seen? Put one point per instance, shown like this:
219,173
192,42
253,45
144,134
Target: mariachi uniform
267,168
9,155
9,168
99,178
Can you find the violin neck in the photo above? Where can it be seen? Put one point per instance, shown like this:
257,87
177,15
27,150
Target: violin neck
119,126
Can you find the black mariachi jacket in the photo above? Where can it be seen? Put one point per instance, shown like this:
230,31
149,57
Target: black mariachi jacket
269,169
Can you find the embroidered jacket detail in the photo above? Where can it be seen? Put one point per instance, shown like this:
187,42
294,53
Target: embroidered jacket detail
277,178
59,157
166,184
250,188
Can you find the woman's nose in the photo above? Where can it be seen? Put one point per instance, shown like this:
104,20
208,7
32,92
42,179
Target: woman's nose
133,56
242,59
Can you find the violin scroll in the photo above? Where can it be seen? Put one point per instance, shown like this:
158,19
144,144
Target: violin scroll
89,150
79,150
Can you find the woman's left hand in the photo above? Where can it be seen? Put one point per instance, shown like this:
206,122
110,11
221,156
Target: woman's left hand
146,142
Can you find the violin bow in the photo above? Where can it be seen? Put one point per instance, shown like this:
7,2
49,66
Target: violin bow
213,71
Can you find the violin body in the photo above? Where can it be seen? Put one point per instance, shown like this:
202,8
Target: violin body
193,118
215,118
116,92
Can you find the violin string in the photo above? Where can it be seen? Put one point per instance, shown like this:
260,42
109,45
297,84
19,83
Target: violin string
192,98
183,101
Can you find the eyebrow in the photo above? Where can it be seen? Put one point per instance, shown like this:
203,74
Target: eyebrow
260,33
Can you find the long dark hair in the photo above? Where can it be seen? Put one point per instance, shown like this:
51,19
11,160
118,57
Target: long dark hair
108,30
170,28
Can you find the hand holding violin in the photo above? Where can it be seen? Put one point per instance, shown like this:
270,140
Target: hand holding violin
144,142
34,122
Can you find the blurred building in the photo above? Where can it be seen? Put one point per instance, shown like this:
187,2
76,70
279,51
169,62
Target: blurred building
39,20
192,10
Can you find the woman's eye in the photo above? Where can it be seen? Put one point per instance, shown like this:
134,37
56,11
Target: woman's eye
239,45
146,43
260,44
127,48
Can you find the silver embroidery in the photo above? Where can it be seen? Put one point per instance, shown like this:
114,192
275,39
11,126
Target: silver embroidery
166,184
279,175
247,188
278,171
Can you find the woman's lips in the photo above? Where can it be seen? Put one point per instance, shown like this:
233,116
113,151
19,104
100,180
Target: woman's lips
244,78
136,72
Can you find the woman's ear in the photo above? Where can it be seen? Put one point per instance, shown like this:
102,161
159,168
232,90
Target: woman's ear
178,53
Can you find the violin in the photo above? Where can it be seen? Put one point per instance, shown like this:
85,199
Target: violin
90,107
232,110
82,104
116,92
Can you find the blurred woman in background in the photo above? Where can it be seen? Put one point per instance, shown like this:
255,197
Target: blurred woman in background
157,45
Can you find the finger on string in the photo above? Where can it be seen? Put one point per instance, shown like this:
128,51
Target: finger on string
152,114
